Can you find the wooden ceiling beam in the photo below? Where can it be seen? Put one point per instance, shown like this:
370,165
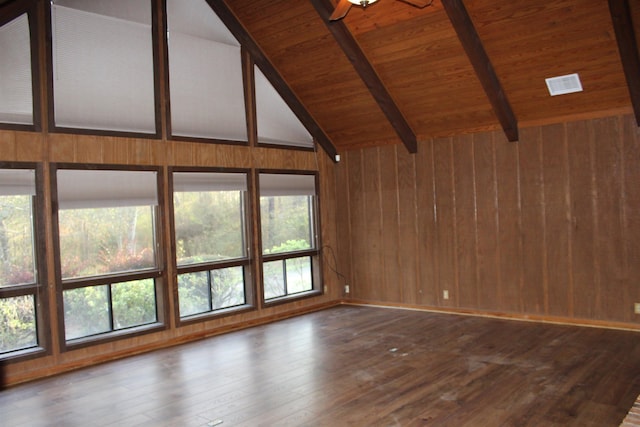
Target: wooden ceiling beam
628,47
259,58
481,63
368,74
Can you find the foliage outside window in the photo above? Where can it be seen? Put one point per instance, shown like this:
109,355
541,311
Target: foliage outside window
211,250
18,274
107,245
287,221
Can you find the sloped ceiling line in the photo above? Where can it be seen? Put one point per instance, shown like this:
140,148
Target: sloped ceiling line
368,74
276,80
628,47
481,63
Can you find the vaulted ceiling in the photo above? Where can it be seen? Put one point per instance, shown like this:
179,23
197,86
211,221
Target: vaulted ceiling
392,73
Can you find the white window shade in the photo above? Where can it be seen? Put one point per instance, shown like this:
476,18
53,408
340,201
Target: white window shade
17,182
272,184
276,122
16,93
205,181
207,94
102,72
78,189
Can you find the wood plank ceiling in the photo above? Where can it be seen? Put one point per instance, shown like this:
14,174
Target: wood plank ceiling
427,69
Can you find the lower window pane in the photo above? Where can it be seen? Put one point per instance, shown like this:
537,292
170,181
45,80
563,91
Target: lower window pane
134,303
227,287
273,279
86,311
299,275
193,293
205,291
17,323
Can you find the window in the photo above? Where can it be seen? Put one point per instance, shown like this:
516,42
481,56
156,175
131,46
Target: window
108,250
205,74
102,55
20,299
276,123
16,94
209,211
288,234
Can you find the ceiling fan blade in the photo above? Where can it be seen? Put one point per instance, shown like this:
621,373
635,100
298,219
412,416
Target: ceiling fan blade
419,3
341,10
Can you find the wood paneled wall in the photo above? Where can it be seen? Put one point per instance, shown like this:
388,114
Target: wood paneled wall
46,148
546,228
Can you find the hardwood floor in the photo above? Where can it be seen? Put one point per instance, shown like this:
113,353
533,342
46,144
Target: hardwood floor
359,366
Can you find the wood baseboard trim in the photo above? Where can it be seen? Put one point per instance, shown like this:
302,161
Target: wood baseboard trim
499,315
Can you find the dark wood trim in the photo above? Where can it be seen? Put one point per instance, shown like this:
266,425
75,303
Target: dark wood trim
368,74
158,43
628,47
280,85
248,78
476,53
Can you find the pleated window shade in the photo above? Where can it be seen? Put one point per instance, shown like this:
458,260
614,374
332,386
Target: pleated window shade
17,182
102,70
16,93
205,181
275,184
78,189
277,124
205,74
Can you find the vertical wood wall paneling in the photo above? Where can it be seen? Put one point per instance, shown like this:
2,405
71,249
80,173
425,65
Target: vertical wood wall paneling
408,226
608,172
445,226
427,215
557,220
343,246
465,221
373,277
391,285
583,261
546,227
487,263
358,228
631,157
534,288
508,202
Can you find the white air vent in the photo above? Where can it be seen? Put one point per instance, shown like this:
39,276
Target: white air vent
564,84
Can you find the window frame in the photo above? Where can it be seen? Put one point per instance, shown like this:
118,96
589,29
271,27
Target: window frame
158,273
245,262
156,34
315,253
38,289
7,14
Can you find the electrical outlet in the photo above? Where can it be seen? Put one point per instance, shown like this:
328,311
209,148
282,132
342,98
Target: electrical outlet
346,289
636,308
326,288
445,294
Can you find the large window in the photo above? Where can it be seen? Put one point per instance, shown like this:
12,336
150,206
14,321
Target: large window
288,234
210,234
103,73
19,290
108,250
205,74
16,92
